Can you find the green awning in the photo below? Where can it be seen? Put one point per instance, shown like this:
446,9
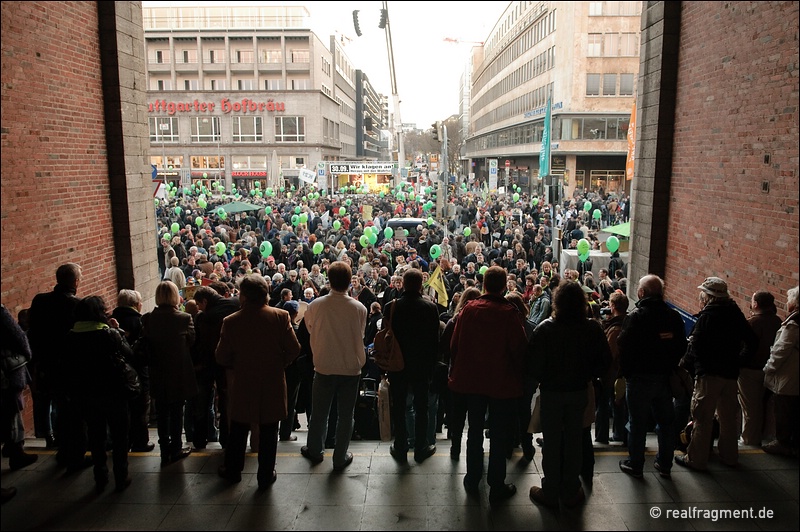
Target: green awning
239,206
621,229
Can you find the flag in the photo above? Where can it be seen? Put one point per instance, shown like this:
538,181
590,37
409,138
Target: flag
435,280
544,154
631,144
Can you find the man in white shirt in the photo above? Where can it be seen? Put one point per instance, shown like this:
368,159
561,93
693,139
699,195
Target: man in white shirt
336,324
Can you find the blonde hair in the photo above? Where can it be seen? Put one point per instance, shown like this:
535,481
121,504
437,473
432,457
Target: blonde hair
167,294
129,298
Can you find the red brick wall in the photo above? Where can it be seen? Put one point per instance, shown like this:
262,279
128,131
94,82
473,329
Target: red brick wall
55,187
737,102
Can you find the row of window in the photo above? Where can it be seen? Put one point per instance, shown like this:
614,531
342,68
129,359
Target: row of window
529,101
615,8
162,56
243,129
529,70
221,84
613,45
562,128
606,84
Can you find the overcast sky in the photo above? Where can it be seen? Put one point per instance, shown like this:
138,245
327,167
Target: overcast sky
427,68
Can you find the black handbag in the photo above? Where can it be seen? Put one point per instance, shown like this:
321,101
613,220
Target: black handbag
126,375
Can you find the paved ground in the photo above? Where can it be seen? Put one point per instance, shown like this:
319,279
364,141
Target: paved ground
376,493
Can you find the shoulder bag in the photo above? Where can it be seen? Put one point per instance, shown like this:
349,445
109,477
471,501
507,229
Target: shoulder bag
388,355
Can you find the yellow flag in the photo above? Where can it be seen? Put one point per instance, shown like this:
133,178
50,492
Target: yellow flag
435,280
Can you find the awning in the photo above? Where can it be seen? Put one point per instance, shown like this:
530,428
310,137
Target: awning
621,229
239,206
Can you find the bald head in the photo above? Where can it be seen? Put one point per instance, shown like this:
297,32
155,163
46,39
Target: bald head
651,286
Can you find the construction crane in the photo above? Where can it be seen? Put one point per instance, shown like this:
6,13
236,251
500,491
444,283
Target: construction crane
459,41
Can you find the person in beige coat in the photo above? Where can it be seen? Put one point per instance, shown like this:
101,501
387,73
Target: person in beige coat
256,344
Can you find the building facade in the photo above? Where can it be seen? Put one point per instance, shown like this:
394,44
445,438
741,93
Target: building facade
584,58
238,95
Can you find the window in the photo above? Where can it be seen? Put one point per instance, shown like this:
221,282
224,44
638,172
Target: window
271,56
301,84
592,84
273,84
191,84
626,84
189,56
594,128
609,84
628,44
246,84
595,48
247,129
215,56
244,56
290,129
219,85
205,129
301,56
249,162
163,129
595,9
160,56
163,85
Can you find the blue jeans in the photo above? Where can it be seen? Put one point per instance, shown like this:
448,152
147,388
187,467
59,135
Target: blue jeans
501,425
345,388
646,395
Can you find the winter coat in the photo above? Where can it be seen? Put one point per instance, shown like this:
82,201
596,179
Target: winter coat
90,352
170,335
781,374
256,362
652,340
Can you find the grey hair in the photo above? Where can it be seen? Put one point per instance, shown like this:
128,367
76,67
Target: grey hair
793,296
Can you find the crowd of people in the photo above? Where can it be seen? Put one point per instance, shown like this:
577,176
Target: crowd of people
270,312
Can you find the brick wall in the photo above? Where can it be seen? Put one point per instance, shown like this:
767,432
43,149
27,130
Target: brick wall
735,132
73,138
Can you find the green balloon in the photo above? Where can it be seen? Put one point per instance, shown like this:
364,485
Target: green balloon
175,227
178,211
303,218
156,201
583,246
587,206
483,269
536,201
295,219
364,241
166,236
430,220
220,249
198,221
317,249
342,211
612,243
436,250
220,212
337,224
583,256
388,232
223,216
596,214
348,202
515,197
258,184
202,203
373,238
297,210
268,209
467,231
265,248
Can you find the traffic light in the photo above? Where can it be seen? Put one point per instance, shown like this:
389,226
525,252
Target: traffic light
384,18
437,131
355,22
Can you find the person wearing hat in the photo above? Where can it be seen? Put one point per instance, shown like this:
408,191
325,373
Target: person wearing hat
713,357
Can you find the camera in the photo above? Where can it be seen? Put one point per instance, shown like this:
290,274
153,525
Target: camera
605,312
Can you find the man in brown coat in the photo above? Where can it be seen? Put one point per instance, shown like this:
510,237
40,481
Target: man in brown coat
257,387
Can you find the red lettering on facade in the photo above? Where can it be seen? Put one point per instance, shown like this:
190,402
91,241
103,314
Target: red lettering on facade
245,106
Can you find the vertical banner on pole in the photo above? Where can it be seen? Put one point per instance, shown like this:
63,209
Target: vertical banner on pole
629,162
544,153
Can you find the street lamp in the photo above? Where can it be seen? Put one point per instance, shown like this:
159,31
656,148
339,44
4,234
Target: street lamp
163,126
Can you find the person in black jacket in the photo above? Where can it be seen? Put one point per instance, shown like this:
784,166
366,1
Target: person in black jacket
415,323
51,318
208,324
129,316
90,353
714,356
374,317
651,343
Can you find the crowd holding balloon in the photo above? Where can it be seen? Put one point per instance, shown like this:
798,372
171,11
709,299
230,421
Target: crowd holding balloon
311,270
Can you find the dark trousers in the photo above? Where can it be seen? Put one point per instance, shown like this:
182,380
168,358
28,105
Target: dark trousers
650,396
292,373
400,385
71,432
202,411
501,423
523,417
267,448
139,408
563,433
104,419
786,419
170,427
456,418
44,412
